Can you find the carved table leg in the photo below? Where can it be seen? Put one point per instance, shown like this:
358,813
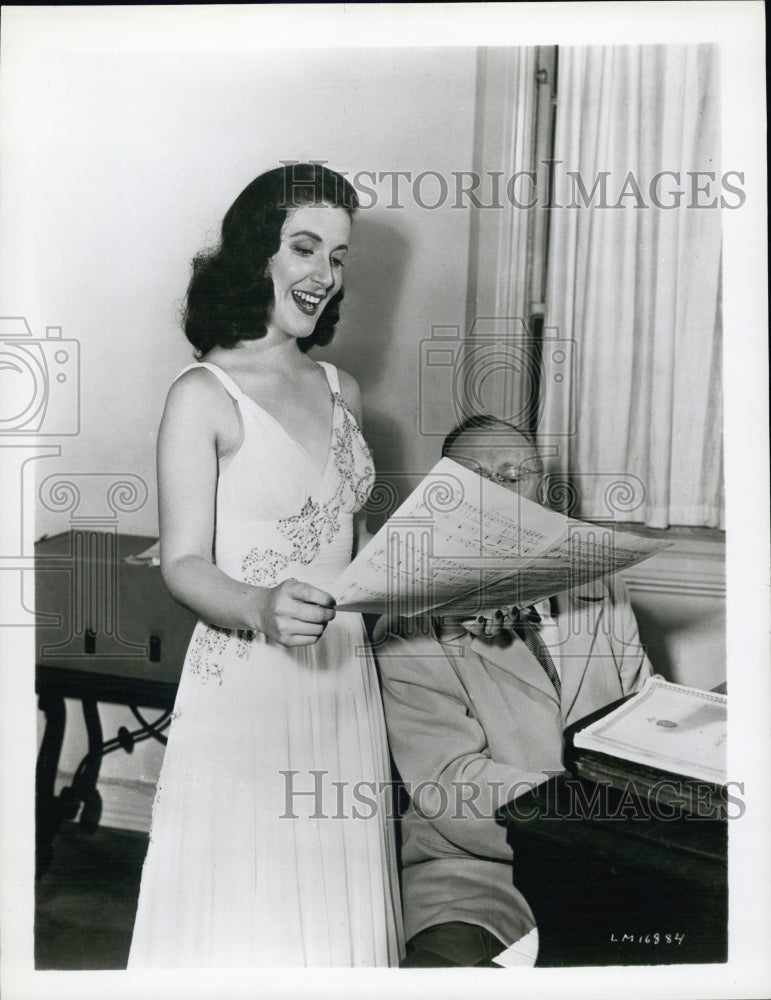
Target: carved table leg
88,772
47,811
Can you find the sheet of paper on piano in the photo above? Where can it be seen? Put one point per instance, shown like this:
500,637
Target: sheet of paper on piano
522,953
151,556
460,543
669,726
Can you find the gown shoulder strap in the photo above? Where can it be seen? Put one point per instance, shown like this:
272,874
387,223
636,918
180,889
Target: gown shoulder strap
225,380
332,377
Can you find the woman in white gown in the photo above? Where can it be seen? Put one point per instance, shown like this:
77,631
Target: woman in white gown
271,842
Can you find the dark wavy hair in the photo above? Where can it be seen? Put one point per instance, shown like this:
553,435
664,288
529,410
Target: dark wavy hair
230,295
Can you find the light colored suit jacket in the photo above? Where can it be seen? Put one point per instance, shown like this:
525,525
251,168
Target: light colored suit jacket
471,724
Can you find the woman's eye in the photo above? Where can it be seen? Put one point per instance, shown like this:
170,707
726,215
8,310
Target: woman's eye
303,251
337,263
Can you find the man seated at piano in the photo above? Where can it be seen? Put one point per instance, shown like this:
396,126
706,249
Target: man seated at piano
475,714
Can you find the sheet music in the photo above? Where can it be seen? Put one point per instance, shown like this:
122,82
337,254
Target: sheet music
669,726
460,543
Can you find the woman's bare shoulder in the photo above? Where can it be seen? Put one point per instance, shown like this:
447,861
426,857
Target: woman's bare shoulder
196,385
197,396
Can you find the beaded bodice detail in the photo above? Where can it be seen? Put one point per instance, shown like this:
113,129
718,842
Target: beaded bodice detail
321,518
277,515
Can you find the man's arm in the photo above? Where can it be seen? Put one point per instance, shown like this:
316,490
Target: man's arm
441,749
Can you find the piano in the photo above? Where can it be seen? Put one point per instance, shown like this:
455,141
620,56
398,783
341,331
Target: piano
618,874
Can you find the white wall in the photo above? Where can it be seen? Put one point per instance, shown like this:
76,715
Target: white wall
679,598
133,160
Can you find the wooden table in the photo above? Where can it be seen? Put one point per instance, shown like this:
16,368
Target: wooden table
107,632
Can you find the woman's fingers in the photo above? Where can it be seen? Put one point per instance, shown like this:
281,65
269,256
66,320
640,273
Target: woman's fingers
312,613
300,627
306,602
300,640
297,613
291,631
309,594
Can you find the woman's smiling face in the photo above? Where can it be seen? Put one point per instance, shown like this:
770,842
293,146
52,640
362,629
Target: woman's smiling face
307,270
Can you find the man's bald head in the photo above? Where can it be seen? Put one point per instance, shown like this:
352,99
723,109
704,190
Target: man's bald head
499,452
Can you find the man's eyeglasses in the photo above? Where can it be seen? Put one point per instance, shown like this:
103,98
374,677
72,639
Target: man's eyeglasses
512,476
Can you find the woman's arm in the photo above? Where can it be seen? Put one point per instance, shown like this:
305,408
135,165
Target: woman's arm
200,426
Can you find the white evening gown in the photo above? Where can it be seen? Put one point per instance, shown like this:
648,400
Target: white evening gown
231,878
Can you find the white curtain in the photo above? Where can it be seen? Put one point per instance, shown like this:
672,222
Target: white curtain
636,421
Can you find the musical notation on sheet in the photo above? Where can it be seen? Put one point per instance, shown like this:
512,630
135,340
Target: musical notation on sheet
460,543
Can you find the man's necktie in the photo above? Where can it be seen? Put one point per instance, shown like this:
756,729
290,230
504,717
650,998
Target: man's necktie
525,625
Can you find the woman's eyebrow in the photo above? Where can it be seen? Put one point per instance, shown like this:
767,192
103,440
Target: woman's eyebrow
315,237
